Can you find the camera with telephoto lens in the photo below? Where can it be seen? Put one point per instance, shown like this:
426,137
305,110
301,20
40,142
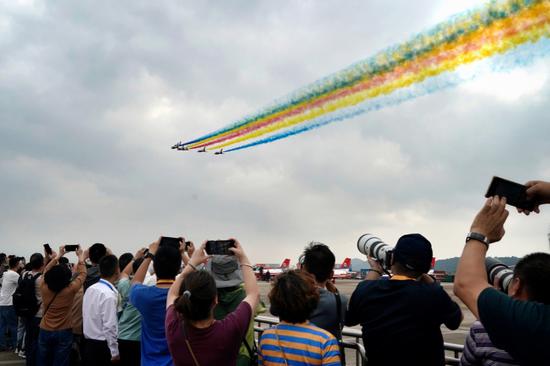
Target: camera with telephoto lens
499,274
373,246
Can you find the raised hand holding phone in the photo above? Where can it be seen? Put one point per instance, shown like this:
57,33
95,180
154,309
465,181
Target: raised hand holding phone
515,193
490,220
539,193
153,247
238,251
174,242
199,255
140,253
220,247
47,249
71,248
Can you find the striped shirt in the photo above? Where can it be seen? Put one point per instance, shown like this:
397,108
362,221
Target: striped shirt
300,344
479,350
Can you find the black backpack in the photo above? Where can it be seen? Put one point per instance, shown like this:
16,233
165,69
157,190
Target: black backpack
25,302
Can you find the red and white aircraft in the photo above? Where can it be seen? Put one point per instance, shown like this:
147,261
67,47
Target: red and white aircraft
274,269
343,271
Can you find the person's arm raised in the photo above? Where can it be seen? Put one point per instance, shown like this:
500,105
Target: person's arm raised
471,276
187,252
54,258
139,276
127,271
250,284
198,256
77,283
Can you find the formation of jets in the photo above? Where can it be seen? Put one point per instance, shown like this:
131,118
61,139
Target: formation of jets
181,147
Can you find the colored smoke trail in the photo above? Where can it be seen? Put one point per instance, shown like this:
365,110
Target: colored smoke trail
523,56
441,34
365,93
471,37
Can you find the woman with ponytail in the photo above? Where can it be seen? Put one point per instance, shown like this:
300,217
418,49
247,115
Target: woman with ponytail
194,337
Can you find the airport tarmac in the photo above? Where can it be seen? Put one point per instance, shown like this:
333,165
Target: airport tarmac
346,287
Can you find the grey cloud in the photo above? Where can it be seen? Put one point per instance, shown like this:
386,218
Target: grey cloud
92,94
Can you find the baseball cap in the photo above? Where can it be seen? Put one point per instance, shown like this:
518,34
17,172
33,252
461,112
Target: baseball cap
414,251
225,270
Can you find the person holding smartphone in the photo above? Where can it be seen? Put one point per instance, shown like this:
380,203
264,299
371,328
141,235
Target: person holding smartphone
150,301
191,329
521,328
58,294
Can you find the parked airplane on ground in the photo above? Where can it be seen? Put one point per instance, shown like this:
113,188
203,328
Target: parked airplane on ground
343,271
261,269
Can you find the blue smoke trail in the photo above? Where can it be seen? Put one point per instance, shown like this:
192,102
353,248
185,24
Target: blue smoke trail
522,56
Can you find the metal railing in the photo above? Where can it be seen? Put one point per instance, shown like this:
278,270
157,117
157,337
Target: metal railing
353,341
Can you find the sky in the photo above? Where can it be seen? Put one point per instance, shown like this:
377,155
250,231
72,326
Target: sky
94,93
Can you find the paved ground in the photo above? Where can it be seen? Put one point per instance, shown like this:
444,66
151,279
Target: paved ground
10,358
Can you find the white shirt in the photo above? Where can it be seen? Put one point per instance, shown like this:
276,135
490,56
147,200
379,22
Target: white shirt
9,285
99,314
150,280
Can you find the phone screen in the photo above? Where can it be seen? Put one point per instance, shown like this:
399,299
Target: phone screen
515,193
48,249
174,242
71,248
220,247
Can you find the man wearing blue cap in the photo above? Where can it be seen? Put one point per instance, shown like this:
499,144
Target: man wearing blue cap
401,316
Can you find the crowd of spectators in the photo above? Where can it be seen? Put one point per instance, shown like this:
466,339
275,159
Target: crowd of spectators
177,305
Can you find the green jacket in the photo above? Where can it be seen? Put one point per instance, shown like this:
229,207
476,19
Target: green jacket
228,300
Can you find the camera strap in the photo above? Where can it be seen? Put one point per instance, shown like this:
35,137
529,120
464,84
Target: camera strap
252,351
340,327
50,304
339,314
188,344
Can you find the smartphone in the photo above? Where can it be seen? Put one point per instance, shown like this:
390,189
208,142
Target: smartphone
174,242
71,248
187,245
220,247
48,249
515,193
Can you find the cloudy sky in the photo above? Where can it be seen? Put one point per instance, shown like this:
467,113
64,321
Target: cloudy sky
93,93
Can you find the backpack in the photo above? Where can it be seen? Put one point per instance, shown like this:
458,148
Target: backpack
25,302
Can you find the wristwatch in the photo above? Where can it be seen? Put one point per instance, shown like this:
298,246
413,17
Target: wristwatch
149,255
479,237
